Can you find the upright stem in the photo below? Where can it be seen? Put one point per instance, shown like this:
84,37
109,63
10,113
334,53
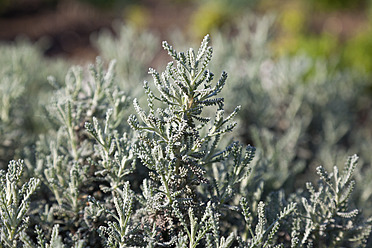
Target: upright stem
73,143
166,188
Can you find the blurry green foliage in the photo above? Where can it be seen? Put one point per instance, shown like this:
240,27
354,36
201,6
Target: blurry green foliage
356,52
293,19
294,35
209,16
297,33
4,4
137,16
214,14
337,4
324,46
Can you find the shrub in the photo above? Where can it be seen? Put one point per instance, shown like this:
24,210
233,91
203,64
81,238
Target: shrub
171,176
298,111
23,89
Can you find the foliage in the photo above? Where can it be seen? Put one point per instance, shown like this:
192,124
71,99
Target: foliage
354,52
298,31
14,205
171,174
69,165
23,88
329,220
212,15
332,4
313,112
131,71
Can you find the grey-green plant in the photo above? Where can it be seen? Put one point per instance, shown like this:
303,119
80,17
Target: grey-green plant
23,90
15,205
120,231
180,146
299,111
328,217
132,60
311,122
170,174
67,161
55,240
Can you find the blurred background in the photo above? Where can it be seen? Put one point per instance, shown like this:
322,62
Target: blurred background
327,28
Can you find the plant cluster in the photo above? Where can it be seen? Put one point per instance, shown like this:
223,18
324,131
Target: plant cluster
313,113
23,90
169,176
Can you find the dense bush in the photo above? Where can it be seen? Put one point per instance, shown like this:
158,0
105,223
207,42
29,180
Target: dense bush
23,90
172,175
300,112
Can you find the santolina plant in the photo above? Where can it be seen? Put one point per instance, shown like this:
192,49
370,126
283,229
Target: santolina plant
164,178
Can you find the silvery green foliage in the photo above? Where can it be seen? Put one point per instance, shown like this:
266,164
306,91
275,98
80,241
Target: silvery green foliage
14,205
11,90
115,156
67,161
207,227
132,61
177,142
298,111
257,79
55,240
180,146
121,230
178,180
23,87
263,234
327,219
